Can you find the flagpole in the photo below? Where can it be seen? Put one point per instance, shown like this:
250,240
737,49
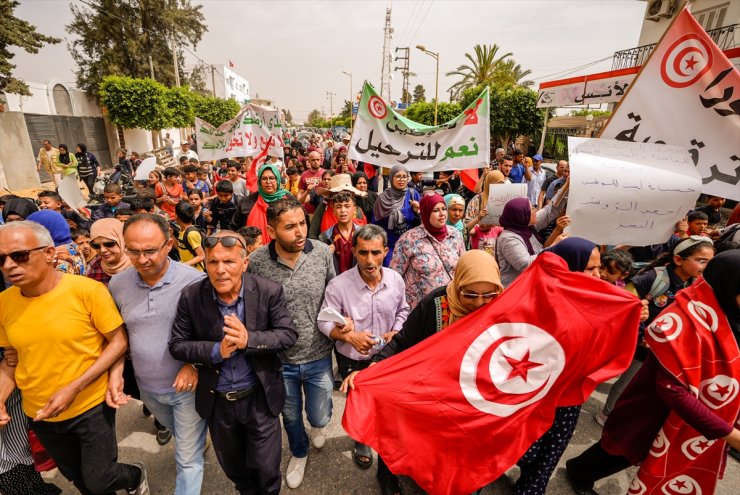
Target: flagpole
680,11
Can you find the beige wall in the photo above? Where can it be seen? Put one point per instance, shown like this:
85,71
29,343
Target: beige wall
17,159
652,30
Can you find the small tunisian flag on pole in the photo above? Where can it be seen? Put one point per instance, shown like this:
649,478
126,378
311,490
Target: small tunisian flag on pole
457,410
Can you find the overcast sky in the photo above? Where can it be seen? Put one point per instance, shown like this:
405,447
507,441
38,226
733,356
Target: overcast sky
293,52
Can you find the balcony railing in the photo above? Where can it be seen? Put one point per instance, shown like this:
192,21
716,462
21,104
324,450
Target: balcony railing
723,36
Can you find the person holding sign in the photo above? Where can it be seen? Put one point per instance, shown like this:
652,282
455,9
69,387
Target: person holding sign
476,209
427,255
518,245
397,208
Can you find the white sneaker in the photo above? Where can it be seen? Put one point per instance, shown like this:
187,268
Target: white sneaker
296,469
318,437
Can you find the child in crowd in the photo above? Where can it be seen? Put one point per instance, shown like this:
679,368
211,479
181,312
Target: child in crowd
50,200
293,178
339,235
195,198
698,222
170,192
190,238
123,214
483,236
192,182
113,201
252,236
616,267
714,204
142,205
222,207
81,237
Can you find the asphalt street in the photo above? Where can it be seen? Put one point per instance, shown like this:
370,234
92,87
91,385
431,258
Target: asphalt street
332,471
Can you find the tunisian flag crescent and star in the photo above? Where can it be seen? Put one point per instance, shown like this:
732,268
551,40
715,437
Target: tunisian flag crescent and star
457,410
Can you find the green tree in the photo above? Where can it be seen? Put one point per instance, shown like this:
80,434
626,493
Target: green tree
181,105
584,112
215,110
314,117
117,37
423,112
20,33
419,94
487,67
406,97
346,110
135,103
514,111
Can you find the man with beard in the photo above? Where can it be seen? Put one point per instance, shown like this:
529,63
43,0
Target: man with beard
304,268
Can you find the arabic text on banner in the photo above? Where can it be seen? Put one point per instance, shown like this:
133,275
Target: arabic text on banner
605,87
688,94
385,138
498,196
628,193
247,134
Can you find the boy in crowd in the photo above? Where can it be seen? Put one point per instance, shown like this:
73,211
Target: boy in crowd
169,192
50,200
339,235
714,204
195,198
123,214
252,236
190,239
142,205
192,182
222,207
81,237
113,201
293,178
238,184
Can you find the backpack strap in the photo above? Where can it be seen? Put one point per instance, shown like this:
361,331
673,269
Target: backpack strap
660,284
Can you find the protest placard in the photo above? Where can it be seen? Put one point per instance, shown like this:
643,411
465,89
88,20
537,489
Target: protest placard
247,134
498,196
385,138
628,193
69,190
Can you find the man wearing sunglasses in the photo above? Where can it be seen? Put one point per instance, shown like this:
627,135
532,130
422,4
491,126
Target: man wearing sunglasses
68,334
147,295
232,326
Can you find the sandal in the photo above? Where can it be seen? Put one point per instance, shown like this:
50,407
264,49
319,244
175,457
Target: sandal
362,455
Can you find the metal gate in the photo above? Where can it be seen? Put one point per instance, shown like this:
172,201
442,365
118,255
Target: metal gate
70,131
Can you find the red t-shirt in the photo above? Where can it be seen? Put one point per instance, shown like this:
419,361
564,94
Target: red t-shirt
175,192
307,178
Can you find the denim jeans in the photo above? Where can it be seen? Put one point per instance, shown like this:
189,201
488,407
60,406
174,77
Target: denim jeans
315,381
177,412
86,451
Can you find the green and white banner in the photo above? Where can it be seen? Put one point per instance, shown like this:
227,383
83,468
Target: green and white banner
385,138
247,134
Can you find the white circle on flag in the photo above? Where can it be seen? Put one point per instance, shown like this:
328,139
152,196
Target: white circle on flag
682,485
376,106
637,487
694,447
686,61
704,314
525,361
666,327
660,444
718,391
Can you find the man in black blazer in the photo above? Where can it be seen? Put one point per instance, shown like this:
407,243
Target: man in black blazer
232,325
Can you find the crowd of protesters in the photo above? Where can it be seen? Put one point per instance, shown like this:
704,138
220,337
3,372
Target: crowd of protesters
200,293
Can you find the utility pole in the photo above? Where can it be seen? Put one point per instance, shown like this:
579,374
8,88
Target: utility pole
404,70
331,104
175,62
151,68
385,74
213,79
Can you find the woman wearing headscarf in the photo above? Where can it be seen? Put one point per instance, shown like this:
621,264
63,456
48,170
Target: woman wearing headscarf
455,211
18,209
366,204
106,237
68,258
426,255
539,462
396,209
476,283
66,161
88,166
682,406
252,211
518,245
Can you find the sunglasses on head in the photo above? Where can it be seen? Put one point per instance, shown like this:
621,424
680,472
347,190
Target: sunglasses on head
226,241
108,244
19,256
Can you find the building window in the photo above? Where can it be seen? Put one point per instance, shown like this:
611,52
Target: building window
713,17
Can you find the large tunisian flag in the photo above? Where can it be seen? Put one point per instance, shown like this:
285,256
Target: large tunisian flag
457,410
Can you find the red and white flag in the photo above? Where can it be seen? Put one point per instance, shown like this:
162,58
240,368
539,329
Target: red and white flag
231,64
687,94
457,410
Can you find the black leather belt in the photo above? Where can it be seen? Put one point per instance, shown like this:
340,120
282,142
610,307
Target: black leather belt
235,395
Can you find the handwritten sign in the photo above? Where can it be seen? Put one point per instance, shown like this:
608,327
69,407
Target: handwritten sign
687,94
628,193
498,196
386,138
247,134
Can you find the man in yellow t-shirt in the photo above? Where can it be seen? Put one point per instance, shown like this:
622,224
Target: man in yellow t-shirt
67,333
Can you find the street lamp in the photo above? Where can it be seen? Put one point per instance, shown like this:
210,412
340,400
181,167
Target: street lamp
436,80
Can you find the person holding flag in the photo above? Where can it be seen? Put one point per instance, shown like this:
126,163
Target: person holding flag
684,399
476,283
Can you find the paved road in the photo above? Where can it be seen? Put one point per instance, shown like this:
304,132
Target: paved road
331,470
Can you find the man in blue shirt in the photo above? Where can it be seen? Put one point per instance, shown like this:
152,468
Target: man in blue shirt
517,173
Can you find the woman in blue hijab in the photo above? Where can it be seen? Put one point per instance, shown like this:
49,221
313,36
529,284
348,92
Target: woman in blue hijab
68,259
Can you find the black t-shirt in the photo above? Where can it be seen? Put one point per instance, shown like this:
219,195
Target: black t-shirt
715,217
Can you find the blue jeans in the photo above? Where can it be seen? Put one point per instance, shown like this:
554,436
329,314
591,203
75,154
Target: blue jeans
317,381
177,412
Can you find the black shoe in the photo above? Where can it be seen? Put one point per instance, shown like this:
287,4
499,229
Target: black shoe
164,436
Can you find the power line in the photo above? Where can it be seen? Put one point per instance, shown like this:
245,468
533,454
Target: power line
422,22
574,69
406,30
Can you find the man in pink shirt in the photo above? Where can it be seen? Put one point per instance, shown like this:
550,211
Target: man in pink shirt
311,178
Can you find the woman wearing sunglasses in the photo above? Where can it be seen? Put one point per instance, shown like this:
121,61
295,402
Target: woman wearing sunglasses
107,239
476,283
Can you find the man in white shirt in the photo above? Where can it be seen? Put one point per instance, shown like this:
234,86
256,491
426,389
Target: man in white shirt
186,151
537,178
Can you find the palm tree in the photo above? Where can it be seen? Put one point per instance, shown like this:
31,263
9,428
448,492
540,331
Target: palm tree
487,68
481,69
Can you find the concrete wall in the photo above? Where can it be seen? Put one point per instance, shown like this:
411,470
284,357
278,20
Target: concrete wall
17,159
653,30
